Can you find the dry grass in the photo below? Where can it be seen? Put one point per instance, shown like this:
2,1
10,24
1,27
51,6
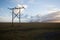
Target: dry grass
29,31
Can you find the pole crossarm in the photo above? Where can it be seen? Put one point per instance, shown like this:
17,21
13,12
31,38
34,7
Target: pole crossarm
16,8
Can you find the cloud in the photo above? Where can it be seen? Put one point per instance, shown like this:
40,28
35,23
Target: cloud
31,1
25,6
2,11
48,9
21,10
53,17
16,1
5,19
51,10
21,0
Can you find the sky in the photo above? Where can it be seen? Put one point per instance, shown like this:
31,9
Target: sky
34,7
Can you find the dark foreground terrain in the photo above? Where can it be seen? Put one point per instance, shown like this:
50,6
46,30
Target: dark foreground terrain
30,31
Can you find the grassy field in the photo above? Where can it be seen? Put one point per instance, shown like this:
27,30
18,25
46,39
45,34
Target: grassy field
29,31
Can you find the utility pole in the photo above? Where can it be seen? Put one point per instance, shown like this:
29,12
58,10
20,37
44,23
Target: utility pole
16,12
